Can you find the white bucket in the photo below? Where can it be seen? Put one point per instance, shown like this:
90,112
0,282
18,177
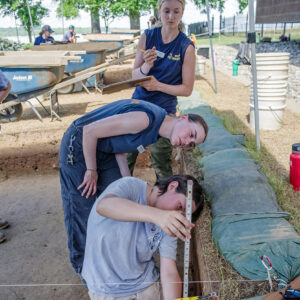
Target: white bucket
272,71
270,116
272,56
200,66
272,75
272,65
272,94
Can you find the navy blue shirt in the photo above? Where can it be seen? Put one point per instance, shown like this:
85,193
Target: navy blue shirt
167,70
3,82
40,40
127,142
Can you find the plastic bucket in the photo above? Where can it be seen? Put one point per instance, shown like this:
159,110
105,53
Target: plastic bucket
272,65
200,67
272,56
270,116
281,93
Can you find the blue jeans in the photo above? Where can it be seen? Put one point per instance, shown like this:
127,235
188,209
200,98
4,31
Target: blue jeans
77,208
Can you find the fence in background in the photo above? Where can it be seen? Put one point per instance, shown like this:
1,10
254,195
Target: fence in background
237,25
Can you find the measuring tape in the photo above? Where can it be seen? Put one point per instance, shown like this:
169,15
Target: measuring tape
186,261
213,295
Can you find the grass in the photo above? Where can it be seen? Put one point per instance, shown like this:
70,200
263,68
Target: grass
286,198
229,39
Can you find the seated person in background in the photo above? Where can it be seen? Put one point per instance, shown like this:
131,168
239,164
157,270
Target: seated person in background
5,87
70,35
129,221
44,36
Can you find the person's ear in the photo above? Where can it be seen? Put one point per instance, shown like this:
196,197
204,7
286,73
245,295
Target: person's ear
172,185
184,117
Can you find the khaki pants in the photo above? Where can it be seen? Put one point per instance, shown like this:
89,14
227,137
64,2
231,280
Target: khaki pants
150,293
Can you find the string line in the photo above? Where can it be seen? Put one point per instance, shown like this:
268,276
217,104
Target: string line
120,283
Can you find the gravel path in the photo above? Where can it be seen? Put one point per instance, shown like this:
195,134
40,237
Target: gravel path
226,54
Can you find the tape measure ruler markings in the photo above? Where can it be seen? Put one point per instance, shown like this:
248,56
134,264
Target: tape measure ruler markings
186,258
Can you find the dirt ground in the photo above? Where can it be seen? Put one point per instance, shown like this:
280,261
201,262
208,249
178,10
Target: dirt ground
34,259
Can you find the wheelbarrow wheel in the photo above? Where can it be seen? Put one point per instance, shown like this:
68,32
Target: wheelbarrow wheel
66,90
11,114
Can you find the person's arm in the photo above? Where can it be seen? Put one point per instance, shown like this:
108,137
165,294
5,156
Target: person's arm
121,159
170,279
4,93
128,123
144,61
171,222
188,77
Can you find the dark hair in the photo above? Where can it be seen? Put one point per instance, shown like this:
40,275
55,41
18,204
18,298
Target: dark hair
198,195
198,119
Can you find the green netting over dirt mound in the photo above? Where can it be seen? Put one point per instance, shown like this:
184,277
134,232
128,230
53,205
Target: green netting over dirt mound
247,221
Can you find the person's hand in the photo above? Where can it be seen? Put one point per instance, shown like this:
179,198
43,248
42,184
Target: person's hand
150,56
89,183
150,85
173,223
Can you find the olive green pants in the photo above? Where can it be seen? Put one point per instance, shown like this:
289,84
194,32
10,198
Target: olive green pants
161,157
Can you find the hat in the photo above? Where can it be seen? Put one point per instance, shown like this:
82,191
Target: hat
71,27
47,28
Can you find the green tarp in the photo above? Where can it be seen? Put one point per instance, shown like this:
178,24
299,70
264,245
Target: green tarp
247,221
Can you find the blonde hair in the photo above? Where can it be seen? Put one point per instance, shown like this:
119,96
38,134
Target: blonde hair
160,3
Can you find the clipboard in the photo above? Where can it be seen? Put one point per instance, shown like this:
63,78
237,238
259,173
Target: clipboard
122,85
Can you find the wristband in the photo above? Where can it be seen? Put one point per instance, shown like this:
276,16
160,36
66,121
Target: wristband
142,71
91,170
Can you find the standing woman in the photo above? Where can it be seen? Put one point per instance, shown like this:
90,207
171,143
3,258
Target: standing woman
172,75
93,154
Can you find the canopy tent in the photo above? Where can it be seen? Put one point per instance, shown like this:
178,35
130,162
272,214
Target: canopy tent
267,11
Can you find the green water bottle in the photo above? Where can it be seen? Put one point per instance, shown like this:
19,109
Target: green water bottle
235,67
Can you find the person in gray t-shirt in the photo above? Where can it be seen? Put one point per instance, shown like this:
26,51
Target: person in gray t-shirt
128,222
70,35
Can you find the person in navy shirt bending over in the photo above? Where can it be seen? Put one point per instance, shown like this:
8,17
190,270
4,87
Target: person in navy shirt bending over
172,71
44,36
93,154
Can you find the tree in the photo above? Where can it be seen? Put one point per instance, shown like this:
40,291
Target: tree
214,4
19,9
97,8
242,5
134,9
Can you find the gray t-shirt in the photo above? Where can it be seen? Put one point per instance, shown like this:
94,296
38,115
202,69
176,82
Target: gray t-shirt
67,35
118,258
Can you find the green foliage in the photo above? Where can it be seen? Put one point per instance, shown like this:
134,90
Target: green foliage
214,4
18,9
135,7
8,45
219,5
242,5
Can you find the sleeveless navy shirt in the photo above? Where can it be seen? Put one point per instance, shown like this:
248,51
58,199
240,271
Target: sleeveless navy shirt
127,142
167,70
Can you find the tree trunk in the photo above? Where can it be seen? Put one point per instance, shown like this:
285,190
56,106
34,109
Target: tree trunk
134,20
95,21
28,28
